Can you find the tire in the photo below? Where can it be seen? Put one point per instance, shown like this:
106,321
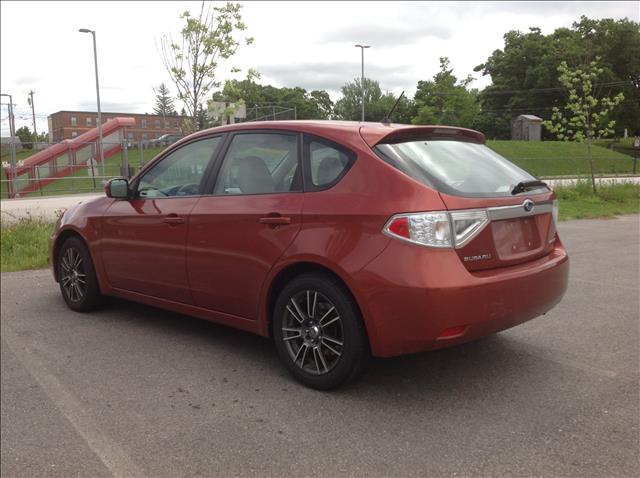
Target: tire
77,276
318,332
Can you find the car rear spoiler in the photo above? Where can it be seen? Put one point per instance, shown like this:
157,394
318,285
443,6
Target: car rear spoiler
374,134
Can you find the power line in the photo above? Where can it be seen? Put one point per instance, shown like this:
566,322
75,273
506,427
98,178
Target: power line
555,88
529,90
544,108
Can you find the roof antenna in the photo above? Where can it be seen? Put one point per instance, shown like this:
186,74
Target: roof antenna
386,120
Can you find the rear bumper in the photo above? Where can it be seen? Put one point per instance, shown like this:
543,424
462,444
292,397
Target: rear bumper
410,295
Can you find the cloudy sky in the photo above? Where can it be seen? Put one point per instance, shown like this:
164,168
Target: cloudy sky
307,44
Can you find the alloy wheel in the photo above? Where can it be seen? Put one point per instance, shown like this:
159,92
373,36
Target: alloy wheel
312,332
73,277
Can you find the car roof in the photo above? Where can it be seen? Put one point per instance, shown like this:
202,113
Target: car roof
372,133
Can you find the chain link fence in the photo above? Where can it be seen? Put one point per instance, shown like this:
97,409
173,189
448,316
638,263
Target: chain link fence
60,169
73,167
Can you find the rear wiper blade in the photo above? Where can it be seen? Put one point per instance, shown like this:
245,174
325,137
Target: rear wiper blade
526,185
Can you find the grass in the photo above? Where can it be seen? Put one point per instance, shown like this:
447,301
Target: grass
621,145
579,202
24,245
560,158
20,155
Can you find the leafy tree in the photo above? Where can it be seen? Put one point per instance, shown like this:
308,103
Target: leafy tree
206,40
26,137
188,126
377,103
308,105
585,116
444,100
164,102
202,120
525,79
321,103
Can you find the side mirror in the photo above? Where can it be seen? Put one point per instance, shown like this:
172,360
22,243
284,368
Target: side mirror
117,188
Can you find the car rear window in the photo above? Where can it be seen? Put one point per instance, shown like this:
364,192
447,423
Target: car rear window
456,167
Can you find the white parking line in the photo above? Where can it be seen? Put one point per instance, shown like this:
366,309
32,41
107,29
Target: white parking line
107,450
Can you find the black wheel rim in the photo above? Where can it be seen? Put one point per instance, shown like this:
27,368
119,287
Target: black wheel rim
312,332
73,277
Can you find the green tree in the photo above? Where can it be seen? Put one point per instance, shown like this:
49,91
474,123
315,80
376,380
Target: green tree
26,137
307,105
586,116
164,102
525,79
205,40
321,104
445,100
377,104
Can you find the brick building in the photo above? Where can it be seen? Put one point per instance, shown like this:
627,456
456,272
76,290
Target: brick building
69,124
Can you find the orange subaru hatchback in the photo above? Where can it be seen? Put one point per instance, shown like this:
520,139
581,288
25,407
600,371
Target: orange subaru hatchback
339,240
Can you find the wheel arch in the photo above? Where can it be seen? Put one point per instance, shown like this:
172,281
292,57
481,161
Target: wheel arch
288,273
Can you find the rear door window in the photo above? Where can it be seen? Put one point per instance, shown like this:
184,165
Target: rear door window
328,163
456,167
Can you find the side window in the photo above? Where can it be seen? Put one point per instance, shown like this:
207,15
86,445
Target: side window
180,173
328,162
260,163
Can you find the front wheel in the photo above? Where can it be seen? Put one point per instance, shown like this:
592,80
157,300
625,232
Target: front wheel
318,332
77,275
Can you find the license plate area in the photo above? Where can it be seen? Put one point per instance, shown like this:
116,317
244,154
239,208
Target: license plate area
516,238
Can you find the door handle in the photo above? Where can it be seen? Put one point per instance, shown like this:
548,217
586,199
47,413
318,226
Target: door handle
173,219
275,220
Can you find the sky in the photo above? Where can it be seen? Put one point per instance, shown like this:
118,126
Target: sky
306,44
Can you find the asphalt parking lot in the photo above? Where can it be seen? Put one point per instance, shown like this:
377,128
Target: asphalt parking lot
135,391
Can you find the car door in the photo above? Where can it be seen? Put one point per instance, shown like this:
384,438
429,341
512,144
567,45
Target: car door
144,238
237,234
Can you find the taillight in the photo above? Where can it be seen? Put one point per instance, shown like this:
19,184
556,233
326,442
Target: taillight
428,229
467,225
438,229
555,212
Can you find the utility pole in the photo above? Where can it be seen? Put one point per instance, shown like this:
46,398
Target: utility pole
33,113
362,47
12,145
95,60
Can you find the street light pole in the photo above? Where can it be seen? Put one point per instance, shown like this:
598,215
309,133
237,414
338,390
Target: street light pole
95,59
362,47
12,145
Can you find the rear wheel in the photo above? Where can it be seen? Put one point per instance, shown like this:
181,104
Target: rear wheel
77,276
319,333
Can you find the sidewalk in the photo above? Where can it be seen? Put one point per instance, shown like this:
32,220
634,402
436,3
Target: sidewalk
42,207
554,183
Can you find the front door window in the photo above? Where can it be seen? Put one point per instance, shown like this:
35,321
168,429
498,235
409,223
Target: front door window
180,173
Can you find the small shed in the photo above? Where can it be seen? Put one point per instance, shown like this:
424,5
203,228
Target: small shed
526,128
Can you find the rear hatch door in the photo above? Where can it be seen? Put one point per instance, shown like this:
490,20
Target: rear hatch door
519,229
516,223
